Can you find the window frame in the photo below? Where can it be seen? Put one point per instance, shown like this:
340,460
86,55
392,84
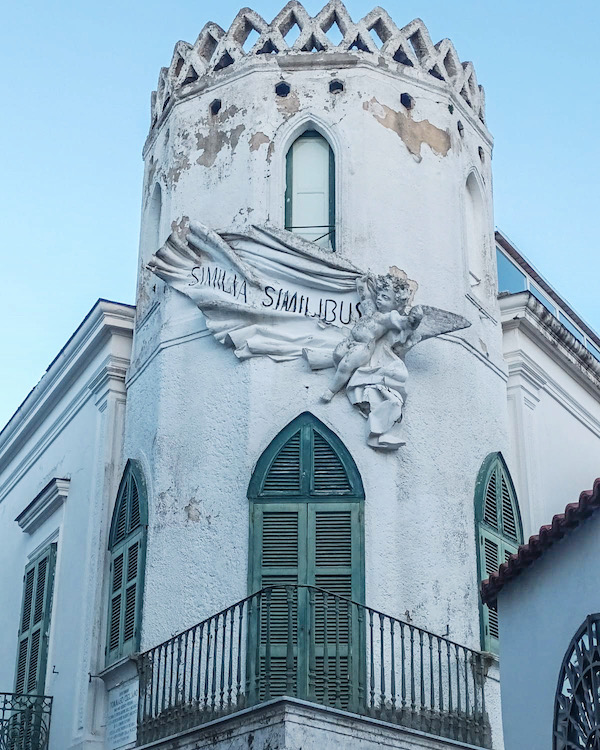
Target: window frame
494,463
310,132
48,553
136,536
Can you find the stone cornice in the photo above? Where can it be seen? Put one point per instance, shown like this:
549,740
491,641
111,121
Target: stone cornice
43,505
104,321
524,312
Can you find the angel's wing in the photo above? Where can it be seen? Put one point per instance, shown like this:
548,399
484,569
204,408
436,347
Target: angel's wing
433,323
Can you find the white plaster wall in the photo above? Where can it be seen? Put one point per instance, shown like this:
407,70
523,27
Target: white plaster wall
199,419
79,438
554,412
540,613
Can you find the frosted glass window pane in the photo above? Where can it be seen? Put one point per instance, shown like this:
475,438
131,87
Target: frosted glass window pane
309,192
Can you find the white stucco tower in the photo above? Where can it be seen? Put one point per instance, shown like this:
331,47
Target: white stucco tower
370,140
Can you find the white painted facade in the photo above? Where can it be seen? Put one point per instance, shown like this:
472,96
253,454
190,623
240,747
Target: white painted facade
413,189
67,438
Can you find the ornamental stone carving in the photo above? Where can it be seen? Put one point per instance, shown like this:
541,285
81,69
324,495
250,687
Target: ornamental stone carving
268,292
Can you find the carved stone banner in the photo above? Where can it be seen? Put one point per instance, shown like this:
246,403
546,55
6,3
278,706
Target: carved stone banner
268,292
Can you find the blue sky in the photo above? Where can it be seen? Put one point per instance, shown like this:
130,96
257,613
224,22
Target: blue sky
76,87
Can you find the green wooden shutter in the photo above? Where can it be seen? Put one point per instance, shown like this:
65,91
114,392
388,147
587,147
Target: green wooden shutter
32,651
281,534
499,533
334,565
128,554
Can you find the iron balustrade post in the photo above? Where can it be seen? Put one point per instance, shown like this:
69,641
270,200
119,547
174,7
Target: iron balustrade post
289,656
325,649
431,680
213,695
382,665
207,663
403,666
440,681
371,662
239,656
230,665
258,618
223,658
312,637
350,659
413,700
199,668
421,671
338,697
392,667
362,678
268,644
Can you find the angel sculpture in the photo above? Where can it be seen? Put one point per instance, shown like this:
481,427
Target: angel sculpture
266,292
382,298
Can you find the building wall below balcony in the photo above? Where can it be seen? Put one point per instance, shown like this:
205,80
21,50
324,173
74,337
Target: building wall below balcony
288,724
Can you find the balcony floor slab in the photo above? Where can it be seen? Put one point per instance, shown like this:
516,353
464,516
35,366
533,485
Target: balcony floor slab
292,724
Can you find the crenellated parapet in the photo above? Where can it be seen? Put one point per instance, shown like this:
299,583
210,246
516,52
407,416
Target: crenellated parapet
375,38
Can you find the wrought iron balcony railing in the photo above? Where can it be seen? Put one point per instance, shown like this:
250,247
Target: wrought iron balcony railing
305,642
24,721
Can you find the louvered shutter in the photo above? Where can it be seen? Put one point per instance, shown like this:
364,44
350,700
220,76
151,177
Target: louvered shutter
334,554
128,549
34,626
490,558
329,476
283,475
281,536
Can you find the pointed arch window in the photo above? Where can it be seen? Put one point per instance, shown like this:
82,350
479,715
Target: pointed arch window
306,530
499,532
127,546
310,189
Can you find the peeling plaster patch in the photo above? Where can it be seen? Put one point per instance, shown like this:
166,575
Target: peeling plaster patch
192,511
288,105
270,152
234,136
412,132
257,141
180,228
211,144
181,164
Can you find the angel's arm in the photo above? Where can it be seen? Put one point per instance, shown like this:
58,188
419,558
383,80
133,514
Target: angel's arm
365,286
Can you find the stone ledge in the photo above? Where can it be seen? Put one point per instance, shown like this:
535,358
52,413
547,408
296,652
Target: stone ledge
292,724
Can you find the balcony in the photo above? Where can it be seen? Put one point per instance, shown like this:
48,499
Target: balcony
24,721
307,643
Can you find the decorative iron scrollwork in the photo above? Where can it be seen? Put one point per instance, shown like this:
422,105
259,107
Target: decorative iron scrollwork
577,707
24,721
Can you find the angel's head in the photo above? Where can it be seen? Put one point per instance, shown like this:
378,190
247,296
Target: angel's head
394,291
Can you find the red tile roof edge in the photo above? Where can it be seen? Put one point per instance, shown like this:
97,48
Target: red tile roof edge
562,523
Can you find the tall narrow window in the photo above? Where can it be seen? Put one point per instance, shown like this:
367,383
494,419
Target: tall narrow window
310,189
475,235
306,532
499,532
34,626
127,545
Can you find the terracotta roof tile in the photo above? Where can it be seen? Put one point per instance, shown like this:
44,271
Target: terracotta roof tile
562,523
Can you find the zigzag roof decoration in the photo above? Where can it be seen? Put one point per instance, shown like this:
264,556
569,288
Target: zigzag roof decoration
376,35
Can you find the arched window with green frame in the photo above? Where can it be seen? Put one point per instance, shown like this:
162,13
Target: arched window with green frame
310,189
127,547
499,533
306,531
